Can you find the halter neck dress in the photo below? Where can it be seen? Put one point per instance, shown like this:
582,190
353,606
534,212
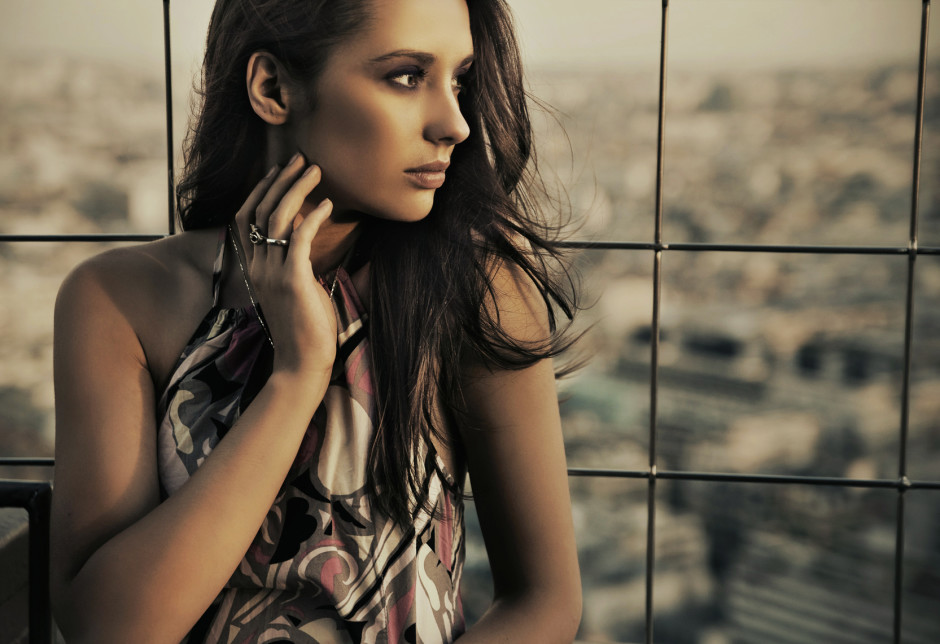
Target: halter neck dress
324,567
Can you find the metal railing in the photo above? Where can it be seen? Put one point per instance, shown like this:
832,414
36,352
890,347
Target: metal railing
35,496
902,484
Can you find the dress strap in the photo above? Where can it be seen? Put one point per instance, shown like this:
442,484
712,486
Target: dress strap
217,266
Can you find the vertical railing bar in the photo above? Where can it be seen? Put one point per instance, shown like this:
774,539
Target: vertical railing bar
168,76
898,567
651,489
660,134
654,339
40,615
919,118
909,325
650,553
912,243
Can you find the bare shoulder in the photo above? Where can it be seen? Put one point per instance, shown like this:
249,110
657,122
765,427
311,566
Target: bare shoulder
517,303
142,295
133,275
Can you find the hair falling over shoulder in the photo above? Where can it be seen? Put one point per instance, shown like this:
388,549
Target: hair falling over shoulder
431,280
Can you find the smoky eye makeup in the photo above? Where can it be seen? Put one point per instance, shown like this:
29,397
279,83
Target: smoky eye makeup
407,77
410,75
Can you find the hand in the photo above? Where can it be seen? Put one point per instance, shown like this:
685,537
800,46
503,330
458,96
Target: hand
297,309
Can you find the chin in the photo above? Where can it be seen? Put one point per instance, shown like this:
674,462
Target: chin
402,208
403,217
404,212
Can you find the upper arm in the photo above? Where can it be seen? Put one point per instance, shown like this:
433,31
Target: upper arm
105,476
516,459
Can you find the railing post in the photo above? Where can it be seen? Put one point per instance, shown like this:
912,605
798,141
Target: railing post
36,498
40,615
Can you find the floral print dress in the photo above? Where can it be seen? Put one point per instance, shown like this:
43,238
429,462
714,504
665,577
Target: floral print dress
324,567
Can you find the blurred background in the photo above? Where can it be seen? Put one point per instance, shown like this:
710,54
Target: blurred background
787,122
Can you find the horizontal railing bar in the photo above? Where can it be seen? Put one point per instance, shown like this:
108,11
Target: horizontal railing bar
903,484
587,245
644,474
752,248
27,461
20,494
609,245
115,237
602,473
792,248
781,478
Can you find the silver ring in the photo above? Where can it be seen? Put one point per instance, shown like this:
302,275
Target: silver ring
257,238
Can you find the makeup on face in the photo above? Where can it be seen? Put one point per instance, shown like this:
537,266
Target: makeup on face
387,117
429,176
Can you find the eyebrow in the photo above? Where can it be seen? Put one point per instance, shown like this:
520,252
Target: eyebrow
422,57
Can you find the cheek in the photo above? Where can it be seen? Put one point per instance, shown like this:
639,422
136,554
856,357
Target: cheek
362,142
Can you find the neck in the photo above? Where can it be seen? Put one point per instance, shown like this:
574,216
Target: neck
338,233
333,240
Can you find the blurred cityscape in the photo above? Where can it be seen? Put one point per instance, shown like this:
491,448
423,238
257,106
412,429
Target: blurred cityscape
772,363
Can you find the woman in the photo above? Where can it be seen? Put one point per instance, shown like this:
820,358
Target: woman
291,470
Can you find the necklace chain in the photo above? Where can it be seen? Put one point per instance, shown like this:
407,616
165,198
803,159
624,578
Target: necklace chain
251,292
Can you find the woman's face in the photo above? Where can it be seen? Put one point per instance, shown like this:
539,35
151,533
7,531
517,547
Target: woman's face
386,118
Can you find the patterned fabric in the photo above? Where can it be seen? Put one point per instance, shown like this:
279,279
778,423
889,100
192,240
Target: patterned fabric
323,567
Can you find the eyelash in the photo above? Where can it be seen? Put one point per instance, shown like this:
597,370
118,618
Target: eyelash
419,74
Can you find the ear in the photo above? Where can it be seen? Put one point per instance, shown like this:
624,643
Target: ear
267,88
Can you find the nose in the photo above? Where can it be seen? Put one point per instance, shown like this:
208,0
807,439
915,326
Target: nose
445,122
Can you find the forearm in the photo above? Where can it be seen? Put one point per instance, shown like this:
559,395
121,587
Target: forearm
537,618
151,581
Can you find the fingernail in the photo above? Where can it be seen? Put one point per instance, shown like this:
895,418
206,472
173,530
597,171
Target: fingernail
294,158
271,171
310,169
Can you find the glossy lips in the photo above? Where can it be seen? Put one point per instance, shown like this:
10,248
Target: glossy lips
429,176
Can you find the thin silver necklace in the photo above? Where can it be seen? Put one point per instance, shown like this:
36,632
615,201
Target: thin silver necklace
251,292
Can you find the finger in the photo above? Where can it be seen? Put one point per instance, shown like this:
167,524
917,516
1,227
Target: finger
280,224
281,220
298,253
281,184
245,214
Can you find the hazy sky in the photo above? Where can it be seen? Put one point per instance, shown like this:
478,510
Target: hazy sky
586,32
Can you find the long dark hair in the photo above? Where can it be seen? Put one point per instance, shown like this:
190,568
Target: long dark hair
485,217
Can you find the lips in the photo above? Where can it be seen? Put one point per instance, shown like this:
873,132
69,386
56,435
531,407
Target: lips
429,176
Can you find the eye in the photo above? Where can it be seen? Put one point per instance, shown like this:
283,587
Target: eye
408,78
459,82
